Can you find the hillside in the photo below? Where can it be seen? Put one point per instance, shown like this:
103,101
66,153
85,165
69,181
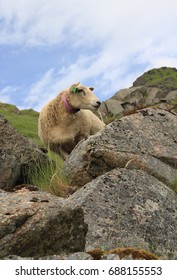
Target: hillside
164,78
25,121
157,87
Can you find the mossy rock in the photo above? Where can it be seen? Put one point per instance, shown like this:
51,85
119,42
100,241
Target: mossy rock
164,78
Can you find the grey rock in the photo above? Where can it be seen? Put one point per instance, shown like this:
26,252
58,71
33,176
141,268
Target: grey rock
112,107
16,153
136,97
111,257
145,140
80,256
132,94
171,96
38,224
154,95
74,256
116,257
10,107
15,257
129,208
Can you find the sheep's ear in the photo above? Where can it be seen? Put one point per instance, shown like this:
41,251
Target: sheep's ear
91,88
74,87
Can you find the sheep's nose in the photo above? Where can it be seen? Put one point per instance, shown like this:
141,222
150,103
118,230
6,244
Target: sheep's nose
98,103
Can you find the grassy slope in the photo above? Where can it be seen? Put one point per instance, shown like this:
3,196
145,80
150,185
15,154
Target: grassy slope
25,121
164,78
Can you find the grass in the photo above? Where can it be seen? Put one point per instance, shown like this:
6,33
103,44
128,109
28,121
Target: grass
50,176
164,78
25,121
109,118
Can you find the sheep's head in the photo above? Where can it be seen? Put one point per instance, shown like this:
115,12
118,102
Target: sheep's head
82,97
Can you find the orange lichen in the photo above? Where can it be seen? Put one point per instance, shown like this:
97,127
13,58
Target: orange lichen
96,253
136,254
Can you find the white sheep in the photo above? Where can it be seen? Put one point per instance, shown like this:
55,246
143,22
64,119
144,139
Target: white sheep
67,119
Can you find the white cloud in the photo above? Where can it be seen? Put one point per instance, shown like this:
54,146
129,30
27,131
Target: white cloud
41,91
6,93
116,40
78,22
164,61
84,69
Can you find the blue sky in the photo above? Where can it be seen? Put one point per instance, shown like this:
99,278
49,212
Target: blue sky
45,46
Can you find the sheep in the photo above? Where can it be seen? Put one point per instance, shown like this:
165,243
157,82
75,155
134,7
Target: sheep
68,119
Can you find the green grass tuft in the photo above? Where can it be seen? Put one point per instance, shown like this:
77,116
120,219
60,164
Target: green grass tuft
50,176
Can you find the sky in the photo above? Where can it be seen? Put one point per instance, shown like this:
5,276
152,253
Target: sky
46,46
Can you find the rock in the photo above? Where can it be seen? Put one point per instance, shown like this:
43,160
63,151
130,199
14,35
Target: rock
164,78
112,257
38,224
74,256
123,101
16,153
171,97
145,140
111,106
143,94
9,107
80,256
132,94
129,208
129,253
14,257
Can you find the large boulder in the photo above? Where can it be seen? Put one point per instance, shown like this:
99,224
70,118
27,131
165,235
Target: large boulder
16,153
129,208
136,97
111,106
140,96
38,224
146,140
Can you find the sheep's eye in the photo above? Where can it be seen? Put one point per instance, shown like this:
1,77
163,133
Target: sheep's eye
81,90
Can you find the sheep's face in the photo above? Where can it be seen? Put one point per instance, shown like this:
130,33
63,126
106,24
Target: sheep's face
82,97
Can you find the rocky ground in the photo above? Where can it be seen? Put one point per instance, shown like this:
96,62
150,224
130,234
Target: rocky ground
125,177
125,203
155,88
